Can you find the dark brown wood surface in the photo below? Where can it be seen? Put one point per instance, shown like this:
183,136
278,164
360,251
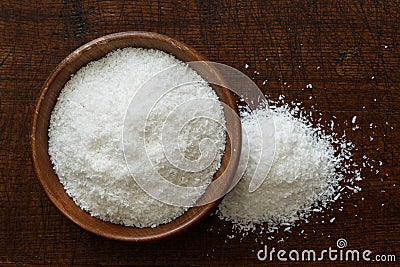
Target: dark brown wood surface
349,51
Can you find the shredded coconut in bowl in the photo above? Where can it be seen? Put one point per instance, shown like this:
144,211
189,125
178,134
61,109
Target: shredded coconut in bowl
304,176
86,129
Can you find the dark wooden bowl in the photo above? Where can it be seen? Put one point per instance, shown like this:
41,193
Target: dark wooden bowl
94,50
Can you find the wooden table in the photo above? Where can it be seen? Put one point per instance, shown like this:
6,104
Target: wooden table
349,51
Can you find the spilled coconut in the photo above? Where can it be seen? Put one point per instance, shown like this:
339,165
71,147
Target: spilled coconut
309,170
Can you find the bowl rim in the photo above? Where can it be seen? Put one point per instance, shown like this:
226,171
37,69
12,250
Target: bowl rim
200,212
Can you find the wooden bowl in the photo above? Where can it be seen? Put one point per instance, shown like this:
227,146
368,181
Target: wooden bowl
94,50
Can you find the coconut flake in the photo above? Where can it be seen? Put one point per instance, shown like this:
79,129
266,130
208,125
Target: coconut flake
85,136
305,176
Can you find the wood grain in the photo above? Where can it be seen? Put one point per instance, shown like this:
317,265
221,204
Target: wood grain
348,50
